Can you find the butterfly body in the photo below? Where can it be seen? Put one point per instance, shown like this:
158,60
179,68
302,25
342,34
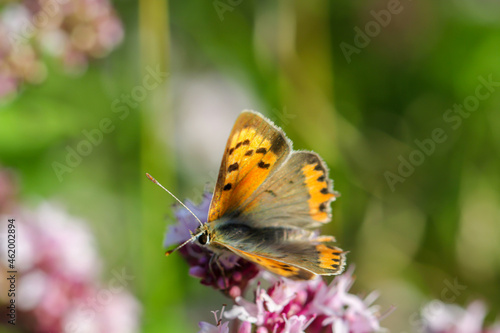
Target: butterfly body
268,200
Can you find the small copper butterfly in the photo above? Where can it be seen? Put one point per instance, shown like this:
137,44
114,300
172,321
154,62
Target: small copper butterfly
267,200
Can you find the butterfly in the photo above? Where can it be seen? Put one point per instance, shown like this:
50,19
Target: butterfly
268,199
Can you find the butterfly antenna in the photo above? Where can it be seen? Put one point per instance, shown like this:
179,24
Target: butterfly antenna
178,247
183,205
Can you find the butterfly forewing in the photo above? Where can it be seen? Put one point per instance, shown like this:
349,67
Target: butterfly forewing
254,150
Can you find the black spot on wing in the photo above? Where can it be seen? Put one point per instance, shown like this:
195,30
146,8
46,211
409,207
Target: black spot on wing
233,167
263,165
324,190
238,145
321,179
227,187
261,151
271,193
249,152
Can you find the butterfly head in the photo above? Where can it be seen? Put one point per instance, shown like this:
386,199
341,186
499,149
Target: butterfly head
203,235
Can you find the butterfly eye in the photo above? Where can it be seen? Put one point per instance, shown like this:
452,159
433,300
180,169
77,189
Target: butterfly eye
203,239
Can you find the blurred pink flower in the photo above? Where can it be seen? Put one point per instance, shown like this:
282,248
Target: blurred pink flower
219,327
58,268
222,327
209,328
73,31
439,317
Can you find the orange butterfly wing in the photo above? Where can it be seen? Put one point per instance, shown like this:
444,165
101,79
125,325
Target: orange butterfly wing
254,150
275,266
304,264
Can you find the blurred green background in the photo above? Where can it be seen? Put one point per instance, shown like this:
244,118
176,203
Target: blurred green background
358,91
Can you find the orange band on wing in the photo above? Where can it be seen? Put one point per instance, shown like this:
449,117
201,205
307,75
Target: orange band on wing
274,266
320,195
330,257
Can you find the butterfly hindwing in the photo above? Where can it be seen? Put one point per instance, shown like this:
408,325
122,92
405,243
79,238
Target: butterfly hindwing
290,252
275,266
298,194
254,150
298,261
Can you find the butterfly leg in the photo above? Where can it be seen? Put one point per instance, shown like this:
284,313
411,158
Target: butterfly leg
223,273
210,264
215,258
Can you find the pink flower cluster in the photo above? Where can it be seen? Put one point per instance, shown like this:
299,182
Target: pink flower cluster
439,317
58,268
70,30
308,306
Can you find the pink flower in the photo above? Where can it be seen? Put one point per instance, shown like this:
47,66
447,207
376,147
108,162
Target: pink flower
220,327
72,31
308,306
209,328
438,317
58,270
